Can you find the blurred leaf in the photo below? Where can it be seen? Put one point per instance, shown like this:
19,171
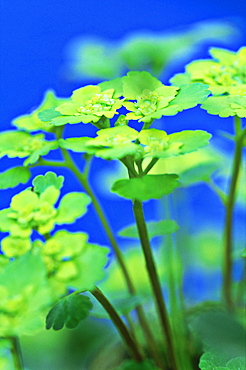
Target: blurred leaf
32,121
72,206
154,229
146,187
226,106
210,361
69,311
238,363
13,177
42,182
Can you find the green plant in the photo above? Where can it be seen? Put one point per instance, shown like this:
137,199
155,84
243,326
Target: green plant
48,270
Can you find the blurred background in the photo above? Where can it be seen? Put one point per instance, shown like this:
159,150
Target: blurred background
65,44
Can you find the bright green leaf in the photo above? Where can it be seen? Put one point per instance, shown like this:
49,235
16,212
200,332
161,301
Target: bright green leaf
190,140
115,84
33,121
136,82
146,187
72,206
14,246
13,177
154,229
69,311
77,144
226,106
190,95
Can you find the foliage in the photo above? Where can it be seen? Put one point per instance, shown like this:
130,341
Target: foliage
48,269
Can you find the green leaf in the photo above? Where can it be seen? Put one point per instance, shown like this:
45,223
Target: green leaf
48,114
69,311
226,106
42,182
91,267
146,187
136,82
13,177
115,84
72,206
238,363
190,140
77,144
190,95
15,247
33,121
210,361
154,229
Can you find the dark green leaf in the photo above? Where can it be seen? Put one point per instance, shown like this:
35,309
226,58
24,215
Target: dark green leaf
146,187
211,361
13,177
154,229
42,182
69,311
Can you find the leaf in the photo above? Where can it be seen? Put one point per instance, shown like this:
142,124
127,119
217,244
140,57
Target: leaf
154,229
13,177
190,140
69,311
33,121
225,106
146,187
238,363
14,247
210,361
91,266
72,206
190,95
115,84
42,182
77,144
136,82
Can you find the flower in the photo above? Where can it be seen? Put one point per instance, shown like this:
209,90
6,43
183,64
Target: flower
87,104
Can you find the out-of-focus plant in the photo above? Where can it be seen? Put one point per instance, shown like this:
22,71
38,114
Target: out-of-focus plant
154,52
47,269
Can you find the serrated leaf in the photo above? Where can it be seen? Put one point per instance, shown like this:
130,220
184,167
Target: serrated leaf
238,363
146,187
136,82
42,182
69,311
190,95
158,228
72,206
13,177
226,106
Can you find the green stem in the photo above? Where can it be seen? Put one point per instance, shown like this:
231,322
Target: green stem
16,353
154,279
228,230
119,324
141,316
150,165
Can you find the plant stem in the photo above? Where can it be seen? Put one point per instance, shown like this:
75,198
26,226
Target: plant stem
119,324
16,353
119,256
228,230
154,279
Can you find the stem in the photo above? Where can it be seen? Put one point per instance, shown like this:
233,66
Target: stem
119,324
150,165
155,283
16,353
228,230
119,256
